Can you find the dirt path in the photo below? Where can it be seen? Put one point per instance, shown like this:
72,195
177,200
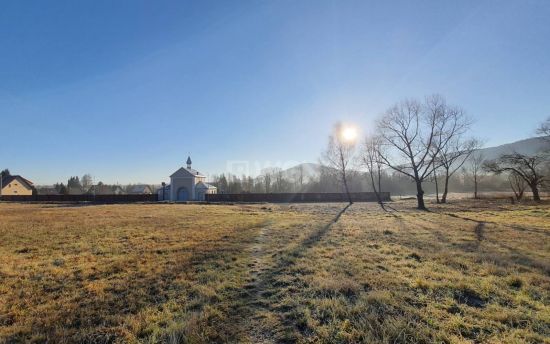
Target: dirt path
258,312
255,306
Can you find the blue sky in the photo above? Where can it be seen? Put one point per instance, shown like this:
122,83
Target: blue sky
124,90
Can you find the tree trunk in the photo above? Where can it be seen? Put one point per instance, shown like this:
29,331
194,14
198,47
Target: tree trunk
379,180
446,189
374,187
347,190
475,186
420,195
519,195
436,188
535,191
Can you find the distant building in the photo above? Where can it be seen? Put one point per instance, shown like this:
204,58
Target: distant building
163,193
103,189
140,190
118,190
47,191
16,185
187,184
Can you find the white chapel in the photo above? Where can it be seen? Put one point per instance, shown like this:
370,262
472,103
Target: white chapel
186,184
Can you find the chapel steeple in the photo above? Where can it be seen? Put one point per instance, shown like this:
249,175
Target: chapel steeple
189,162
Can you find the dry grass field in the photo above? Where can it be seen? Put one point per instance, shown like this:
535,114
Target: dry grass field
146,273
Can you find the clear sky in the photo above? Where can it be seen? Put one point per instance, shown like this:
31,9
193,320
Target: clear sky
124,90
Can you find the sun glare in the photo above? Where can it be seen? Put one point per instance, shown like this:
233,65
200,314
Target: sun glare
349,133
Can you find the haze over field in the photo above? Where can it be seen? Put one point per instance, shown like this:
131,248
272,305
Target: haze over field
528,146
126,90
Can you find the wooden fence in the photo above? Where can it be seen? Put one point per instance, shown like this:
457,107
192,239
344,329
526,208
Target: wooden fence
297,197
81,198
249,197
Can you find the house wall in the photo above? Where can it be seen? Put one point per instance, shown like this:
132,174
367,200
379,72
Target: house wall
201,193
167,194
178,182
15,187
184,178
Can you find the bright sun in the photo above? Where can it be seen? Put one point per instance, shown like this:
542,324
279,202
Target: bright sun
349,133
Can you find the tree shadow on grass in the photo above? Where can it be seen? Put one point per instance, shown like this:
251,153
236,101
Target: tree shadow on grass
515,227
514,256
264,295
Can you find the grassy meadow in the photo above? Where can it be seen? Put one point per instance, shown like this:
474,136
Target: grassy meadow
469,271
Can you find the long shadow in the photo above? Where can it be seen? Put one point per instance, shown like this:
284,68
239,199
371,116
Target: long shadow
384,205
317,235
268,286
515,257
515,227
389,206
288,257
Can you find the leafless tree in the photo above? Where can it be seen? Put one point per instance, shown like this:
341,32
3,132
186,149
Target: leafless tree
86,181
452,157
279,179
451,148
434,178
371,160
301,176
474,168
517,184
528,167
338,156
412,132
544,129
266,181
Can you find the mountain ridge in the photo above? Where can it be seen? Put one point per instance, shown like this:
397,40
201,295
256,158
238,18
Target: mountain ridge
527,146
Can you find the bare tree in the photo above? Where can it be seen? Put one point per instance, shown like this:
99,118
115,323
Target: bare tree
301,176
450,148
279,180
266,179
452,157
434,178
517,184
370,158
474,168
86,181
529,168
412,132
339,154
544,129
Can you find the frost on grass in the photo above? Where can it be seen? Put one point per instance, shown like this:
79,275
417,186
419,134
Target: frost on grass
468,271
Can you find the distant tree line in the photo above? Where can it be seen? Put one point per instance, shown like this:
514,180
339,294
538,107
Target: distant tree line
463,181
85,185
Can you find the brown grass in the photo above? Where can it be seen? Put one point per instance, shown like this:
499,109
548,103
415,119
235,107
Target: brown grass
467,271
